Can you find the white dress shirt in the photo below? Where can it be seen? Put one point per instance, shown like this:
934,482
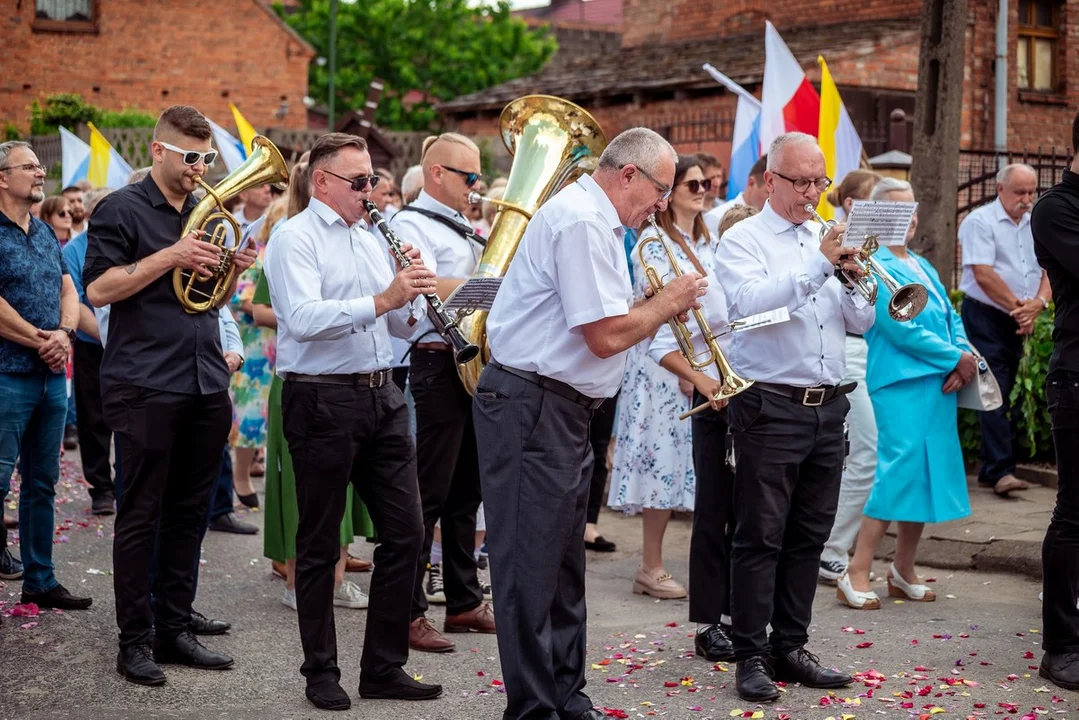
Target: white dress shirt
714,217
399,347
713,304
446,252
766,262
323,277
569,270
990,237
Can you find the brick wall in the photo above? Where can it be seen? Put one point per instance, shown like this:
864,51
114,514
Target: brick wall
148,56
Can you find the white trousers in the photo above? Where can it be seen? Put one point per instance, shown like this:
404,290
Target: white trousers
861,463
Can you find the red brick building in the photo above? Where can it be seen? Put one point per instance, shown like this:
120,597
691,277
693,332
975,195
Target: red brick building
654,78
148,55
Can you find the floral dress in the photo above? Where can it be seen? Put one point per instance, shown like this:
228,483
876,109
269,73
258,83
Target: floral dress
653,451
251,385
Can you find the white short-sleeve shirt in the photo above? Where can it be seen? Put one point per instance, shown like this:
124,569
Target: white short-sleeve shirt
989,237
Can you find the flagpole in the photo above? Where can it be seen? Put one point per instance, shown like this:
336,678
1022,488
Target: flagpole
333,62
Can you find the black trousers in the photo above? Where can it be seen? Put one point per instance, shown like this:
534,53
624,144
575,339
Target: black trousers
536,465
171,447
449,478
786,489
95,438
993,333
713,519
342,434
599,436
1060,549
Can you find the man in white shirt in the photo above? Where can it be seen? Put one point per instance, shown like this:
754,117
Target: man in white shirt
558,334
754,196
345,421
1005,290
445,439
788,427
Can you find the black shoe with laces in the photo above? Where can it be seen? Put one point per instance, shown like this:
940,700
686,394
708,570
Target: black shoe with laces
714,643
10,567
802,666
136,664
830,571
58,598
754,680
184,649
1061,669
202,625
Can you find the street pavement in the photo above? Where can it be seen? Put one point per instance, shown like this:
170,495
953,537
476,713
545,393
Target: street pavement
973,653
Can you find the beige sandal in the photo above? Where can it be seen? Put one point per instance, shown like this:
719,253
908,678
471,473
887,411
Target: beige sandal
900,588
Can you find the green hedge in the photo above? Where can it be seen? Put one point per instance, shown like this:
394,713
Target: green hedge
1028,397
69,110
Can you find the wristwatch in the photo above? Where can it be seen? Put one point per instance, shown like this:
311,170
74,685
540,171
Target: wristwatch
70,332
1045,303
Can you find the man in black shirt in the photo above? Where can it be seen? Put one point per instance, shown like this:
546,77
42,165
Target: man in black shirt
164,386
1055,225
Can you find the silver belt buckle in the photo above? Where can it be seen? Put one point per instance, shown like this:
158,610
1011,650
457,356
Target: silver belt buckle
807,398
374,380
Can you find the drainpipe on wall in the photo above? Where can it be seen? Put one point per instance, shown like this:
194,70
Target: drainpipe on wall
1000,96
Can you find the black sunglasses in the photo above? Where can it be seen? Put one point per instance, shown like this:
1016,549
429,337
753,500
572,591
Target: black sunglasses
695,186
357,184
471,178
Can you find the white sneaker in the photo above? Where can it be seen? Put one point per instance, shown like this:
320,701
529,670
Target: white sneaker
349,595
289,598
855,598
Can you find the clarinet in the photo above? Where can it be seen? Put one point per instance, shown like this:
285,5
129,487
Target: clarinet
463,350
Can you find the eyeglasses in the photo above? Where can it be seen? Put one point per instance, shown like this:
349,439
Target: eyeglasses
32,167
666,191
192,157
357,184
471,178
696,186
802,184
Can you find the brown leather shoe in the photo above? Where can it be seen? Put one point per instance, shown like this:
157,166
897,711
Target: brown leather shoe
480,619
355,564
11,523
425,637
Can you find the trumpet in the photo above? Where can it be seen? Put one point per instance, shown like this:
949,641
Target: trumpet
731,382
905,301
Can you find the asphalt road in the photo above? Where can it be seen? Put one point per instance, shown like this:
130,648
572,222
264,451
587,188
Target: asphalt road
974,653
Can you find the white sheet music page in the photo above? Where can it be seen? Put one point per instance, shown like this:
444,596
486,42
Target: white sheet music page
889,221
476,294
760,320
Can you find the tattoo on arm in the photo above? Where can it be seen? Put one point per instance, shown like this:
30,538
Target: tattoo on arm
131,268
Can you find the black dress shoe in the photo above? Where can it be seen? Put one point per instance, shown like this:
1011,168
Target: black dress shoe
754,680
1061,669
600,544
592,714
103,505
202,625
802,666
184,649
328,695
58,598
231,524
398,686
136,664
714,644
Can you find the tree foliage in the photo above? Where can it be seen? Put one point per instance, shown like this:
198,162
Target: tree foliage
70,110
441,48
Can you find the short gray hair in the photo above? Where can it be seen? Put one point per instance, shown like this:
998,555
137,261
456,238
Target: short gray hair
887,186
784,141
1005,173
411,184
7,147
93,197
138,175
638,146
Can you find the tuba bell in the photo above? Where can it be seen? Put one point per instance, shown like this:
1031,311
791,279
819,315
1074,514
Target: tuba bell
265,165
552,142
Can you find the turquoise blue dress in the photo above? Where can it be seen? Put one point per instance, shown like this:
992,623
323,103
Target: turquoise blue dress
920,473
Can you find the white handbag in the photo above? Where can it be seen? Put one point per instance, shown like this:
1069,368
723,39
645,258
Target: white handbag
983,392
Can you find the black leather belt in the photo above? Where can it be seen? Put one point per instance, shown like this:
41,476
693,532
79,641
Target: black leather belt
372,380
855,335
556,386
810,397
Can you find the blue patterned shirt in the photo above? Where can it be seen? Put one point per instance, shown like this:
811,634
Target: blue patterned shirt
31,276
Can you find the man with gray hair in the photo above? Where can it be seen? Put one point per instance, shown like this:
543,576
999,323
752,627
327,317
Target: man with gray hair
1004,291
787,427
558,335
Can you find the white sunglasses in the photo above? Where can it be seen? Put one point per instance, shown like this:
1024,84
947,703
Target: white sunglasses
192,157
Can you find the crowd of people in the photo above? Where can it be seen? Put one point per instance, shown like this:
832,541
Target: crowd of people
321,372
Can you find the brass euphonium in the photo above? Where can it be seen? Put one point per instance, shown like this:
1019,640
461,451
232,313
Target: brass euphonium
731,382
264,165
552,142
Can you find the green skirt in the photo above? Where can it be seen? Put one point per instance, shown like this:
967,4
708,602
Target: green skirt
282,515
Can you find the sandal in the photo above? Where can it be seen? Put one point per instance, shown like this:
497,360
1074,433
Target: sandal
900,588
856,599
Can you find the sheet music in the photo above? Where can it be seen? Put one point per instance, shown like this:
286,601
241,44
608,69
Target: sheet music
760,320
889,221
476,294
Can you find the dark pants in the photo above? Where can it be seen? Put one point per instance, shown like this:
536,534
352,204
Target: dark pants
599,436
171,447
713,519
1060,550
993,333
786,489
95,438
536,466
449,478
341,434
